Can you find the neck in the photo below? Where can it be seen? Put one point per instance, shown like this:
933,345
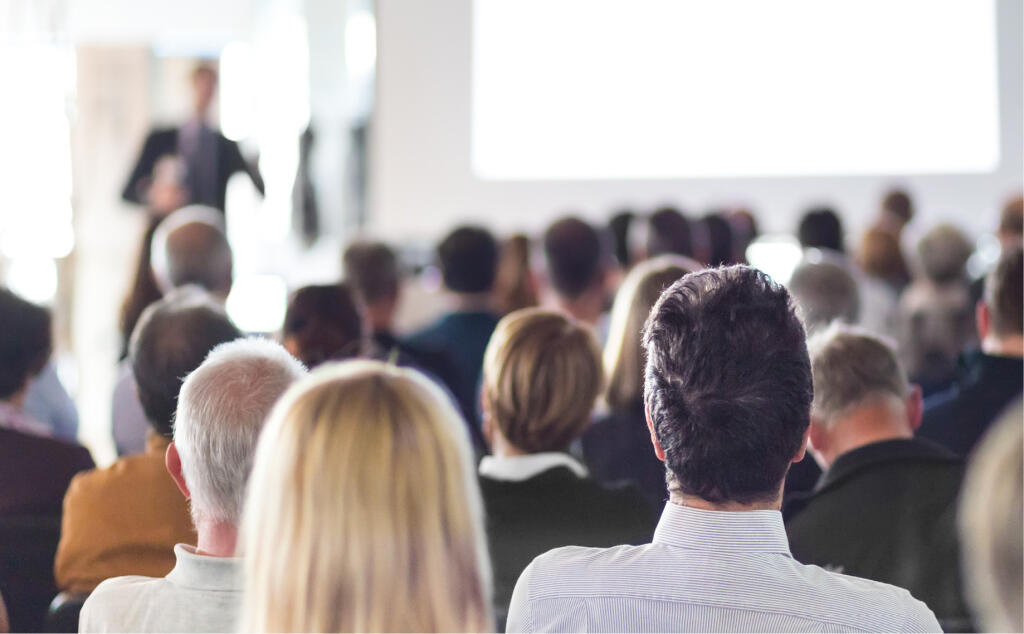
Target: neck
471,302
694,502
216,539
1008,346
864,426
379,316
17,400
587,307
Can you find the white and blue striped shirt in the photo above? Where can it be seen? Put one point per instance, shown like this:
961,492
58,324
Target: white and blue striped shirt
706,571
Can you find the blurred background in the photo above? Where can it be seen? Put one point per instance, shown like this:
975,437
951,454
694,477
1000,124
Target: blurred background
401,118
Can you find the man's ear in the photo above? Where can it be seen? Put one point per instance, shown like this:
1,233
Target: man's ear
658,451
983,319
802,451
915,407
815,438
173,463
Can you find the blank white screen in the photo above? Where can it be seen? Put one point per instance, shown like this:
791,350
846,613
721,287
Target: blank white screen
617,89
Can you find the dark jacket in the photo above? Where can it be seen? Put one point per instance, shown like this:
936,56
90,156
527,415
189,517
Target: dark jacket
35,472
617,449
887,512
164,141
957,419
555,508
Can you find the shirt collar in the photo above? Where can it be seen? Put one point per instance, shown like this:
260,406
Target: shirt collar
735,531
202,572
519,468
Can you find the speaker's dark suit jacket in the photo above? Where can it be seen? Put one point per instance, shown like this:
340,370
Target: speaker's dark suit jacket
163,142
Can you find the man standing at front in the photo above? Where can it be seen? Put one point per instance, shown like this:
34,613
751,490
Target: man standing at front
728,395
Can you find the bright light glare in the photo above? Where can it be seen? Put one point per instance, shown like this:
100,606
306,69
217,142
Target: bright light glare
257,303
584,89
776,255
237,91
33,278
361,43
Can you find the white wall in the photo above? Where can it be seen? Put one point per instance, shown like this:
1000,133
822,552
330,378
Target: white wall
421,180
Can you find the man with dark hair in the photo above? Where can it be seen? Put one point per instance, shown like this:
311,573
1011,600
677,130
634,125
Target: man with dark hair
576,267
897,210
821,228
728,396
994,377
372,269
126,518
669,232
452,349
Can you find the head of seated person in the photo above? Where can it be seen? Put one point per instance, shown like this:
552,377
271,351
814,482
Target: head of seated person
468,259
861,393
325,323
364,510
897,210
575,258
669,232
172,338
934,325
542,376
943,253
1000,314
879,256
1011,223
727,388
26,341
190,247
373,271
719,239
821,228
825,291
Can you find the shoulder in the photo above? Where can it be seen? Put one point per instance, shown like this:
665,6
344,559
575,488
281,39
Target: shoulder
106,607
97,481
577,570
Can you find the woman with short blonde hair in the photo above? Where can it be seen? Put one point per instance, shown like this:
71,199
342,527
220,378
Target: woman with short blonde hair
363,513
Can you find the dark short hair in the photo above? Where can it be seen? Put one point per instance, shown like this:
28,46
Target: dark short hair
669,232
898,203
26,341
821,228
728,383
574,254
1011,219
468,258
720,239
1004,293
372,269
172,338
618,227
326,322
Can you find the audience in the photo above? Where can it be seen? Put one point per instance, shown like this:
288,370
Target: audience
617,447
991,526
897,210
943,253
994,377
824,291
125,519
453,347
143,290
670,233
324,323
1011,223
880,258
885,509
542,375
728,395
221,409
718,232
373,271
622,248
363,514
515,286
821,228
576,261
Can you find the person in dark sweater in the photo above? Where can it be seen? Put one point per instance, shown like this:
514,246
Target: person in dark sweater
993,379
885,509
617,447
542,375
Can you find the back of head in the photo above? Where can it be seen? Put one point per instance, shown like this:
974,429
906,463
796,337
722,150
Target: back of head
669,232
324,323
468,258
542,375
991,530
172,338
26,341
1011,221
514,286
944,252
190,247
852,368
935,323
720,240
728,384
364,513
879,254
821,228
623,353
372,270
824,292
1004,294
574,255
618,226
897,204
221,410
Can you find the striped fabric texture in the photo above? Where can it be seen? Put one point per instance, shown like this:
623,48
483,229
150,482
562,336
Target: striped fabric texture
705,571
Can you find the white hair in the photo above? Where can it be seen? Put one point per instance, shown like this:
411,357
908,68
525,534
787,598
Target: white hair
201,257
221,410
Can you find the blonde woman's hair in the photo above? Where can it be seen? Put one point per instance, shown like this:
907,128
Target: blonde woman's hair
623,354
542,375
363,511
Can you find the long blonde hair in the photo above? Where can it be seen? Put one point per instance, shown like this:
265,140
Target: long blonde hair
623,354
363,511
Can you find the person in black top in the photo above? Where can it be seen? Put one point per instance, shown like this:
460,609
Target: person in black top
992,379
885,509
542,375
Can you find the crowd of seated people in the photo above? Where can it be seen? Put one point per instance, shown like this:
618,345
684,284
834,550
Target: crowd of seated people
611,428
